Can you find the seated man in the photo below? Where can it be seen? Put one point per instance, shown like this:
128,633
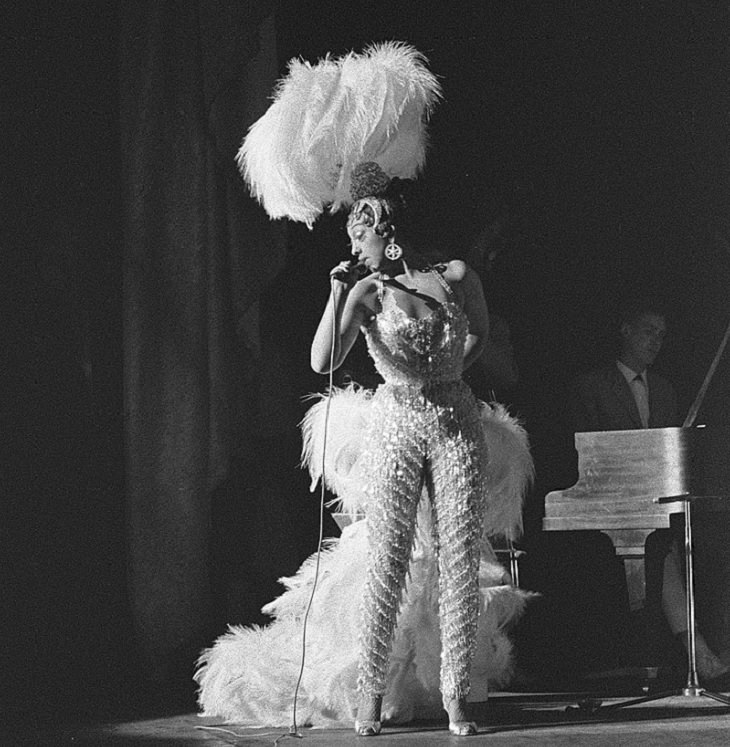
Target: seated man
625,394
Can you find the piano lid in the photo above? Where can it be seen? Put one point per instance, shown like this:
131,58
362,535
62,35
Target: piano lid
702,393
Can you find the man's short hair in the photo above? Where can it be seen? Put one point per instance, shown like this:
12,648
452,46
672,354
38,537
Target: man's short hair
629,312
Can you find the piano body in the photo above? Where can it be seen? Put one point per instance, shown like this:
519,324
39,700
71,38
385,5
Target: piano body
621,474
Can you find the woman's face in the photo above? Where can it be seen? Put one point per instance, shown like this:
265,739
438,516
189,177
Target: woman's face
367,246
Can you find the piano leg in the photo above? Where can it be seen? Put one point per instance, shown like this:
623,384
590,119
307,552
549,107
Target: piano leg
629,544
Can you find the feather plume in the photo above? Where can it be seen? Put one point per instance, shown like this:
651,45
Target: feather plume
328,117
510,471
345,413
508,475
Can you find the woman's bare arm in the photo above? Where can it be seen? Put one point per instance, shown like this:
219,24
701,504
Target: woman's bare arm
348,309
475,308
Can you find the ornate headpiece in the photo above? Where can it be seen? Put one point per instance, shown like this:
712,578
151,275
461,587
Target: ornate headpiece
329,118
368,186
359,213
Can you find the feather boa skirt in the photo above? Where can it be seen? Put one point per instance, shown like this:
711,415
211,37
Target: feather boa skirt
250,674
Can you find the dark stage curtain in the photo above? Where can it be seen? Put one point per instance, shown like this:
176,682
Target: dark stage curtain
198,252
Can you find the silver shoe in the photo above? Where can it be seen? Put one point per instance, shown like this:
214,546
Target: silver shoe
462,728
367,728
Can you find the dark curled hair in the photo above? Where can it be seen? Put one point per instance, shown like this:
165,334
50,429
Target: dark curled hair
368,180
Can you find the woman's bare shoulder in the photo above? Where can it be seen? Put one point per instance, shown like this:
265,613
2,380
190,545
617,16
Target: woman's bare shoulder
455,270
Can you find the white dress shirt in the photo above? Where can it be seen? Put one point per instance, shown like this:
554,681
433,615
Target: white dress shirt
639,386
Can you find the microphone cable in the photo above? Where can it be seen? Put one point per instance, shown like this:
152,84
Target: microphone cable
293,729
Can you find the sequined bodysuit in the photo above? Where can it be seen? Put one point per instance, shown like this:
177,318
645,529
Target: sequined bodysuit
425,432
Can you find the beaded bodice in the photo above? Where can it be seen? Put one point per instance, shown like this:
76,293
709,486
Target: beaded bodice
418,351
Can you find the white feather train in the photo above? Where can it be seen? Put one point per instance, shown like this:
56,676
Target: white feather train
328,117
249,676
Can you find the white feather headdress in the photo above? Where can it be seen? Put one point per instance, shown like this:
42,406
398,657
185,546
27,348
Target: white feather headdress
328,117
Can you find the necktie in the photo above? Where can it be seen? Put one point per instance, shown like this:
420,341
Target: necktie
641,395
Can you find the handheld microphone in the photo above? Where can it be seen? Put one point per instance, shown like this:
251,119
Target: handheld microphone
352,267
358,268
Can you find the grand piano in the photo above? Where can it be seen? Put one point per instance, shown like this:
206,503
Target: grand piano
623,474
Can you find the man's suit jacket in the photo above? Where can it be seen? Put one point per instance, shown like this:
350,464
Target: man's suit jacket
602,400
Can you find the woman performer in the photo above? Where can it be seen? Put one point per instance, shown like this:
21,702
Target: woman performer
423,324
410,600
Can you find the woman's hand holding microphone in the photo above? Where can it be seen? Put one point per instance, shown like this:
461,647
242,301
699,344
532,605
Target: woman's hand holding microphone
347,272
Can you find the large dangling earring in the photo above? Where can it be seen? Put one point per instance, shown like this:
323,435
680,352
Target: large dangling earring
393,252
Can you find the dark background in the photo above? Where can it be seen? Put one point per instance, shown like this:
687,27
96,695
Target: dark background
597,132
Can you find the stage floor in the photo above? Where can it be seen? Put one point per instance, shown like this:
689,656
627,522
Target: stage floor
510,719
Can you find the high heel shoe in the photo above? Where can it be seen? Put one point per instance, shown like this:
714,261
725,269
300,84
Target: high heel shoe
367,728
462,728
369,709
459,725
